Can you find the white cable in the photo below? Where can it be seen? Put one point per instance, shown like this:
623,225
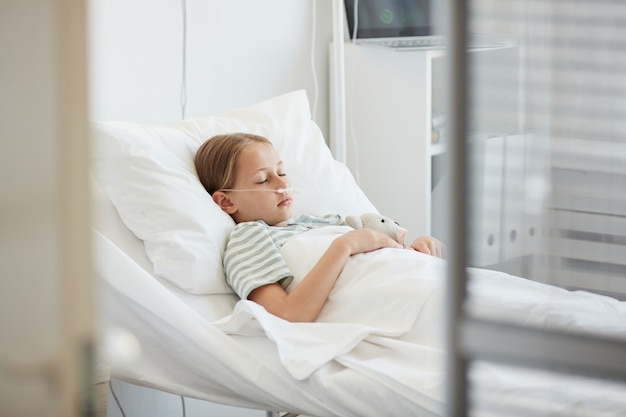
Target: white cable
117,401
183,88
119,405
355,19
314,72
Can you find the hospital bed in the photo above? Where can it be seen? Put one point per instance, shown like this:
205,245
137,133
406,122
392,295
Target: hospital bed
171,323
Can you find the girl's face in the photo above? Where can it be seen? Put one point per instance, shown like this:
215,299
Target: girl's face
259,168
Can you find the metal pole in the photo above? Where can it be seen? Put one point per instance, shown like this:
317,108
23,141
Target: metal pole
456,364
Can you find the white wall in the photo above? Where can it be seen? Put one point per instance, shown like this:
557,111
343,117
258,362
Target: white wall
238,52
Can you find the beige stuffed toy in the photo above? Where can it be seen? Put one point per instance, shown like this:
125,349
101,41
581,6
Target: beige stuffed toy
380,223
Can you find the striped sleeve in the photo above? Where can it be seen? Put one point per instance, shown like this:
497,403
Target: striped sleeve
252,259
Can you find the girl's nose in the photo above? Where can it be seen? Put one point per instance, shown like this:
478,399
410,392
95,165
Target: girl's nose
284,183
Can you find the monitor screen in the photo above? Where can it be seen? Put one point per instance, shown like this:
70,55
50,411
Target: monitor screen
389,18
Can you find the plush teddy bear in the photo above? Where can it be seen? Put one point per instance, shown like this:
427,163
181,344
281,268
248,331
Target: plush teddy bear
380,223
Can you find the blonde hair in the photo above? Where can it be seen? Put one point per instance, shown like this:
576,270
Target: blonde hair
216,159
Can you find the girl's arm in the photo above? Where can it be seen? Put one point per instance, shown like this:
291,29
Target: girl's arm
305,302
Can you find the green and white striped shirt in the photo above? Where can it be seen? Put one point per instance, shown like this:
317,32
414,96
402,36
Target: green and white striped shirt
252,257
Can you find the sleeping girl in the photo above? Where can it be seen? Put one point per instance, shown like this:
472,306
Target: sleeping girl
246,178
377,307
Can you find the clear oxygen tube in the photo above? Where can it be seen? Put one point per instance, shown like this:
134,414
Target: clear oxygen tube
277,190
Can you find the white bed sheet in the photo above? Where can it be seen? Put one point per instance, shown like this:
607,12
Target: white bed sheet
182,351
201,346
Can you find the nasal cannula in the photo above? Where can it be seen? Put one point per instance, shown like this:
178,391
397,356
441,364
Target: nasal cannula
278,190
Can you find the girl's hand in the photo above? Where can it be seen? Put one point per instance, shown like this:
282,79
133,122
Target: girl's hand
428,245
366,240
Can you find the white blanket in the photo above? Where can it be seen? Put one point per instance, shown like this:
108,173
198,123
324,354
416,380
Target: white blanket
384,316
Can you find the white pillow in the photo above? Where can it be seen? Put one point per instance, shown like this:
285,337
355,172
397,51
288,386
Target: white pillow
148,173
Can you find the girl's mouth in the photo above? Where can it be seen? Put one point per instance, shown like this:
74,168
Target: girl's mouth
285,202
